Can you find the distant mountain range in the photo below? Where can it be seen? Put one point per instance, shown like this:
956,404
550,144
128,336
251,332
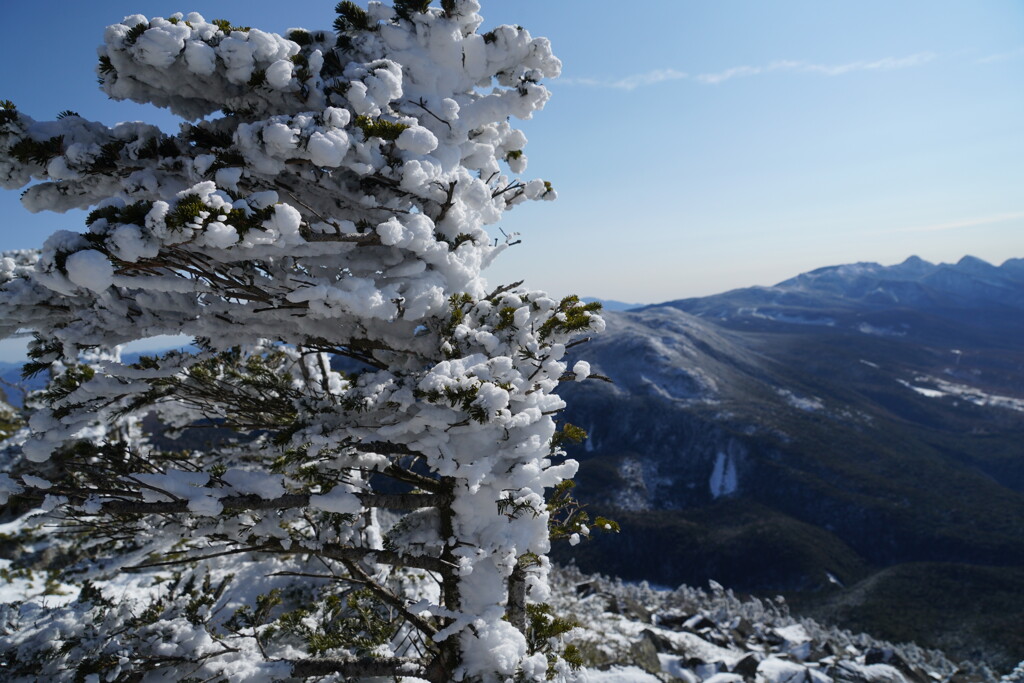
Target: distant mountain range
612,304
851,437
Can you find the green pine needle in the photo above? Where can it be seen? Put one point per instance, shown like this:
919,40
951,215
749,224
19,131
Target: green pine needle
351,17
406,8
135,32
226,26
8,112
106,69
28,151
379,128
300,37
258,78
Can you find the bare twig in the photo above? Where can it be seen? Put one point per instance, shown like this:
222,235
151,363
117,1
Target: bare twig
502,289
422,105
390,598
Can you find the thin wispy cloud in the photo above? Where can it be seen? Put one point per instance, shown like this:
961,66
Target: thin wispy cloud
967,223
632,82
664,75
1001,56
737,72
886,64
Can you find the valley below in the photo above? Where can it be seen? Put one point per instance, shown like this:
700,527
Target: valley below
850,438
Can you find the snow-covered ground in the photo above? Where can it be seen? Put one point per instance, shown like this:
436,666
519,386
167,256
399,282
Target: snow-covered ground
934,387
639,634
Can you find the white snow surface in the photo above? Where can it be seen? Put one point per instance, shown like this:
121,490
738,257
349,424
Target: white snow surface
262,484
619,674
417,140
724,480
337,500
780,671
32,585
810,404
941,388
90,269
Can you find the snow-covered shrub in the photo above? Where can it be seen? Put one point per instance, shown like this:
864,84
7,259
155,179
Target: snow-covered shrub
318,227
1014,676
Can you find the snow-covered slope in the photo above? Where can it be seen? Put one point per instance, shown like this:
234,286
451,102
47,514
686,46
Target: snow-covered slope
852,423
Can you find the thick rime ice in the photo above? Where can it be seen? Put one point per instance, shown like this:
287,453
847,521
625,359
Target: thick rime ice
338,209
338,500
90,269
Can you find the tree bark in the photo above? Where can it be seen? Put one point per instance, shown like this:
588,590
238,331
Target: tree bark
515,610
449,654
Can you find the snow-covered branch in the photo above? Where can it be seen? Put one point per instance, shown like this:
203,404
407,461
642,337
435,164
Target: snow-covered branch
359,406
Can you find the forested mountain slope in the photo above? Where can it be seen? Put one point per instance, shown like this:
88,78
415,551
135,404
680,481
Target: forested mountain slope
850,436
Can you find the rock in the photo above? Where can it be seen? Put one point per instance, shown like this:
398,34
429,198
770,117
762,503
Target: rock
847,672
638,611
801,651
795,641
698,622
915,675
661,643
628,607
747,667
775,670
968,677
719,638
672,621
820,651
889,657
612,605
742,630
908,671
708,670
686,676
644,653
724,678
852,672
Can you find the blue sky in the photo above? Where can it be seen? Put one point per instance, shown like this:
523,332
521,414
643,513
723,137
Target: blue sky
696,146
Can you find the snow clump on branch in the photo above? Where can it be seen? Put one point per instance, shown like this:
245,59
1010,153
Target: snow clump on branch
323,243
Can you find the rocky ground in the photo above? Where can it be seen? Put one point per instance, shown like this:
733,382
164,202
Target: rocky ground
635,633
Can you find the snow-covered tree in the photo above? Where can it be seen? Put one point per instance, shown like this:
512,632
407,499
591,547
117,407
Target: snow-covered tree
318,227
